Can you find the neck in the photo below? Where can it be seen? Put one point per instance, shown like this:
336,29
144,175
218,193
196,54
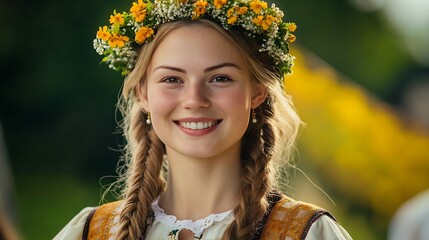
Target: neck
197,188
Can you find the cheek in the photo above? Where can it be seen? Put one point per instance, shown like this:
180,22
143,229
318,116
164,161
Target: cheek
160,102
237,100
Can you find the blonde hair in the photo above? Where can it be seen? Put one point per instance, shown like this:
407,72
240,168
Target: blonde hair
265,145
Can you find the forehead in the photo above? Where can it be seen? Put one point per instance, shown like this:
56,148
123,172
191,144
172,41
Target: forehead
196,45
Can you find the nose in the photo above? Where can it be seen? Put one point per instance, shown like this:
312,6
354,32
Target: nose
195,97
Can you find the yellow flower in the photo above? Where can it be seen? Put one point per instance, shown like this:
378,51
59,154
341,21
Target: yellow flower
117,19
143,33
117,40
230,12
257,6
138,10
234,12
291,38
242,10
103,33
232,19
270,19
260,21
200,8
265,25
291,27
219,3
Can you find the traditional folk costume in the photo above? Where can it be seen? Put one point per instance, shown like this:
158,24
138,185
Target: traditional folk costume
285,219
119,43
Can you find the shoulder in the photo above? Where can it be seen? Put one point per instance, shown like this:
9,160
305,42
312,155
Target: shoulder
326,228
290,219
89,222
105,211
74,228
101,224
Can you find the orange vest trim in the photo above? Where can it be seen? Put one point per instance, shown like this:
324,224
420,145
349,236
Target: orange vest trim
99,225
288,220
291,220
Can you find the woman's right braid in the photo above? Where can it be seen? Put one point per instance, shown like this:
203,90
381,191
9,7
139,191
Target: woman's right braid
145,182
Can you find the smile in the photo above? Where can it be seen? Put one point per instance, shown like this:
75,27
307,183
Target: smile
198,125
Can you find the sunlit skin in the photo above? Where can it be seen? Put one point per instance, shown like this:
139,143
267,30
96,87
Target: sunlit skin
197,78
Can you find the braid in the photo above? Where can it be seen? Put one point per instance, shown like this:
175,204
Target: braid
256,181
144,179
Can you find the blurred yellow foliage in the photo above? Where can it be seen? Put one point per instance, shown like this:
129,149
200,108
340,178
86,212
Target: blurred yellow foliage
360,146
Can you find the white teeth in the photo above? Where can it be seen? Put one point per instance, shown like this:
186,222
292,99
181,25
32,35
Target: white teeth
197,125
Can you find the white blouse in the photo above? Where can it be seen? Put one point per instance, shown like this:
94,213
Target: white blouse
166,227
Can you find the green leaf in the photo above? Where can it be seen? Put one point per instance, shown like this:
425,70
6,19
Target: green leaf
116,28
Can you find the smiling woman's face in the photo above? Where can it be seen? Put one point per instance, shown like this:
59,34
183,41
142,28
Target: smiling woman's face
199,93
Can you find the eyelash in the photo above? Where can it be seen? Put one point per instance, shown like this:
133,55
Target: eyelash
216,79
221,77
170,80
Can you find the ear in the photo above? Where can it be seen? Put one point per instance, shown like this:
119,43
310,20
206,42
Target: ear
259,95
141,93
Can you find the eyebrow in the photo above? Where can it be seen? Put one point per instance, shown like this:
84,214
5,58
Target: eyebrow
209,69
169,68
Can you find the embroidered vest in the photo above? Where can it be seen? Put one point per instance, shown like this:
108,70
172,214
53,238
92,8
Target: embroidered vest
287,220
291,220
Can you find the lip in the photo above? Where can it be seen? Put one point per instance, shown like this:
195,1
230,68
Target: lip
197,126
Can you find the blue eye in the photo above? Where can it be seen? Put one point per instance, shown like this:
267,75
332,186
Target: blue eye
221,79
171,80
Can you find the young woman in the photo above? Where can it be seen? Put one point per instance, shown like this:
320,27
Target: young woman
207,125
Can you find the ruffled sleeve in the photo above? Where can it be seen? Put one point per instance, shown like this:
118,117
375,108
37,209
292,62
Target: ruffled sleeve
74,229
327,229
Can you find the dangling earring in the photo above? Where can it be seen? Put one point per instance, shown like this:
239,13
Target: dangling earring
254,119
148,120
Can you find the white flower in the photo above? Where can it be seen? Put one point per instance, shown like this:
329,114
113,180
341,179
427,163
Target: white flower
272,40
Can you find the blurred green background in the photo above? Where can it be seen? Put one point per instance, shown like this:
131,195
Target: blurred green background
361,84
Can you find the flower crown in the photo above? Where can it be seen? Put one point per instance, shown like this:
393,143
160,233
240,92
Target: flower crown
119,43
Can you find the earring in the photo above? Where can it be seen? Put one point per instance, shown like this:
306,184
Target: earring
148,120
254,119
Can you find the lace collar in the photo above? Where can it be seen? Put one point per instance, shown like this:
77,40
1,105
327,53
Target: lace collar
196,227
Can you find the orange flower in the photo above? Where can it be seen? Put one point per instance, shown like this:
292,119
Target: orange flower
138,10
291,38
234,12
232,20
143,33
270,19
291,27
219,3
117,19
257,6
242,10
200,8
103,33
230,12
117,40
265,25
260,21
